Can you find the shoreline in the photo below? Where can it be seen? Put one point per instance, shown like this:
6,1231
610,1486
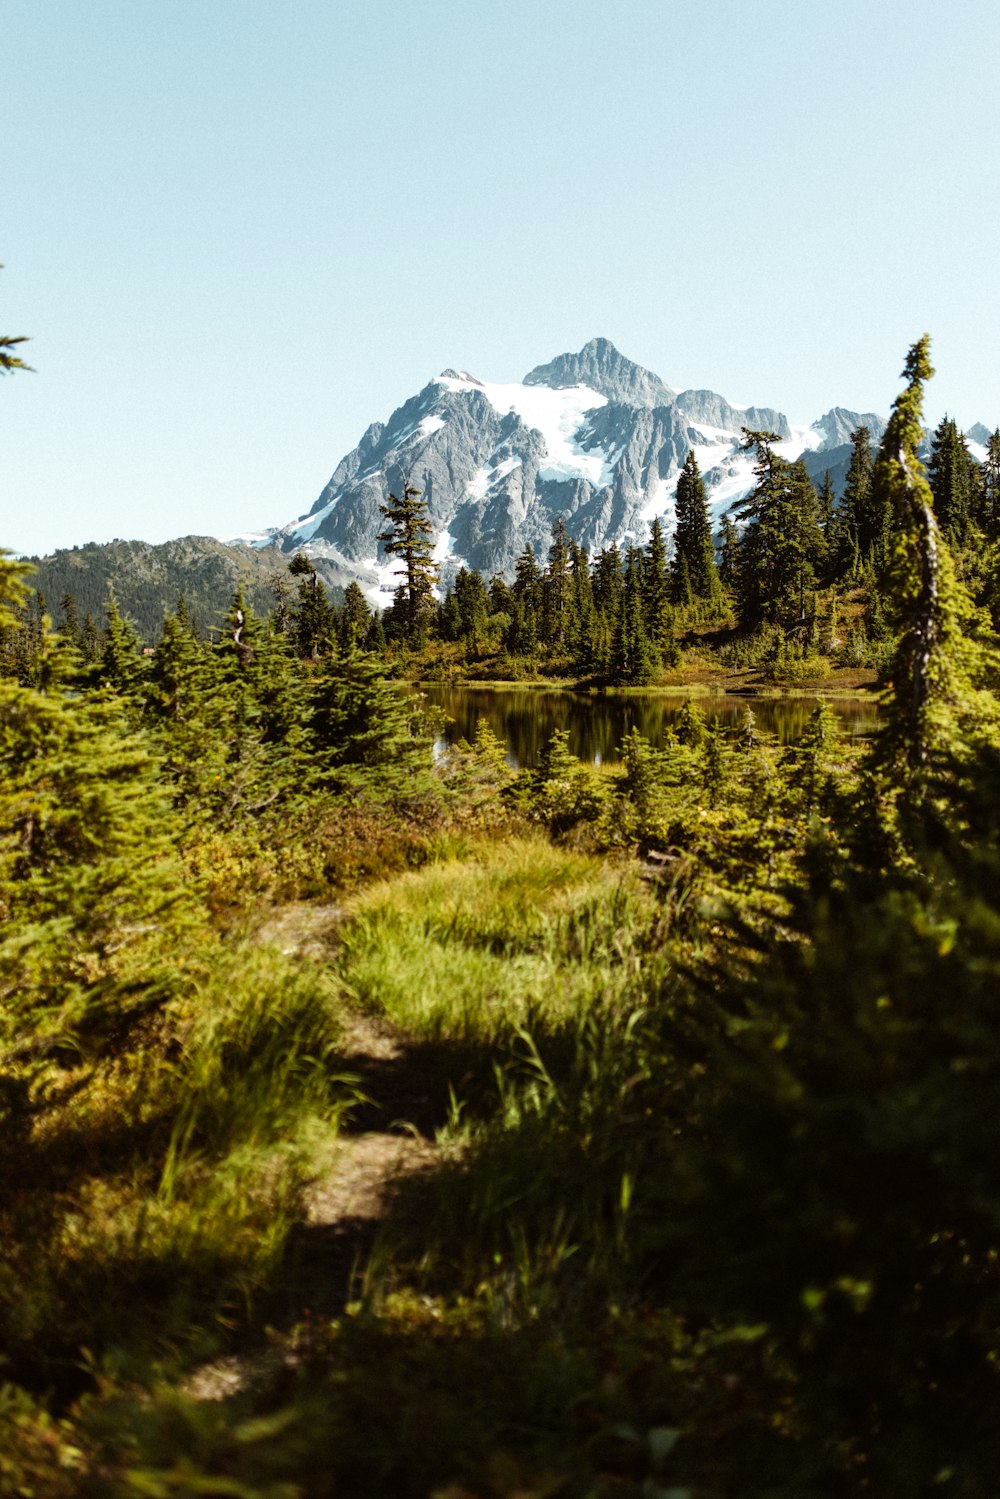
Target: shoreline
856,692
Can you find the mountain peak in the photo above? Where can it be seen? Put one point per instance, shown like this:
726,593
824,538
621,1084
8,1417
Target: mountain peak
600,365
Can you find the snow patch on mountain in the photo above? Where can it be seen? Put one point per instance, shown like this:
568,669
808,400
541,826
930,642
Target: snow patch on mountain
802,440
661,504
558,415
489,474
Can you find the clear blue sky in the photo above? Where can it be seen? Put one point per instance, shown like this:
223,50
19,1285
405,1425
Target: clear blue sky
237,230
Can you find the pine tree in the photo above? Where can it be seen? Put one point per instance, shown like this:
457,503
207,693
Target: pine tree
608,582
449,620
408,536
526,597
366,734
69,625
581,641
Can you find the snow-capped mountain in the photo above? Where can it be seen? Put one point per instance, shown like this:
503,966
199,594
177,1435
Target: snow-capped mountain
590,436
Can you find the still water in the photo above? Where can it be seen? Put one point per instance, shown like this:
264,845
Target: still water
526,718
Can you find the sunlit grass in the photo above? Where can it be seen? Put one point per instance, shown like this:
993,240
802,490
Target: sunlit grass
475,948
167,1175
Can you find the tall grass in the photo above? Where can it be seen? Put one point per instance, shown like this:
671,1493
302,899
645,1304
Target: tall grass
522,935
167,1177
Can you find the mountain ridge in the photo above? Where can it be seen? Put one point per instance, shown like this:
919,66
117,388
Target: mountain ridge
591,436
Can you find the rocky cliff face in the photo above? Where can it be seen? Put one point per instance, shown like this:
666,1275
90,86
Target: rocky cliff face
590,436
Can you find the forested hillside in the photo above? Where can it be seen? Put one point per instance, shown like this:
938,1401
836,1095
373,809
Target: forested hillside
377,1124
147,580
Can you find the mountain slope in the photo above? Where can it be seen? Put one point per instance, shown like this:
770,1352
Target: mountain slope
147,580
590,436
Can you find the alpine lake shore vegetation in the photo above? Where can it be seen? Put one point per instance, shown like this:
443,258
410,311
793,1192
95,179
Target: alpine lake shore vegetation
699,1051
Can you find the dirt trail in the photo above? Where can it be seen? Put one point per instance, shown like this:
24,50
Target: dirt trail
389,1139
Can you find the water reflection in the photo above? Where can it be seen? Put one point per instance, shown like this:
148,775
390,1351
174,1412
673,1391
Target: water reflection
526,718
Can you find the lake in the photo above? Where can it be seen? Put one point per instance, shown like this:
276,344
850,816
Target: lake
525,718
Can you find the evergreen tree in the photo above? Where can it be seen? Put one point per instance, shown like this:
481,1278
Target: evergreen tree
953,479
355,617
729,554
939,709
90,640
86,871
862,525
608,582
366,734
781,539
473,606
122,667
581,642
69,625
526,597
693,568
631,656
449,621
556,588
313,619
375,639
988,515
408,536
499,596
656,593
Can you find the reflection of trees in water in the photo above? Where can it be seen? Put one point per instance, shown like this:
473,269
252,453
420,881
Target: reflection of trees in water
525,720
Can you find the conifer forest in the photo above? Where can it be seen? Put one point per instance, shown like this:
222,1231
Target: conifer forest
384,1120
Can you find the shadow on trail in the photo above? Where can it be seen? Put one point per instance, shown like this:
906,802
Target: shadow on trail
382,1172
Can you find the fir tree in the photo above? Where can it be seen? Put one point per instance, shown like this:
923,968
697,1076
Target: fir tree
939,709
631,659
729,554
608,582
781,539
582,610
366,735
952,473
313,619
122,666
556,589
526,597
69,625
658,613
693,567
355,617
408,537
988,514
473,608
86,872
862,525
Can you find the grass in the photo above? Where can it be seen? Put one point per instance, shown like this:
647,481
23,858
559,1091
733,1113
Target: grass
157,1185
520,934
